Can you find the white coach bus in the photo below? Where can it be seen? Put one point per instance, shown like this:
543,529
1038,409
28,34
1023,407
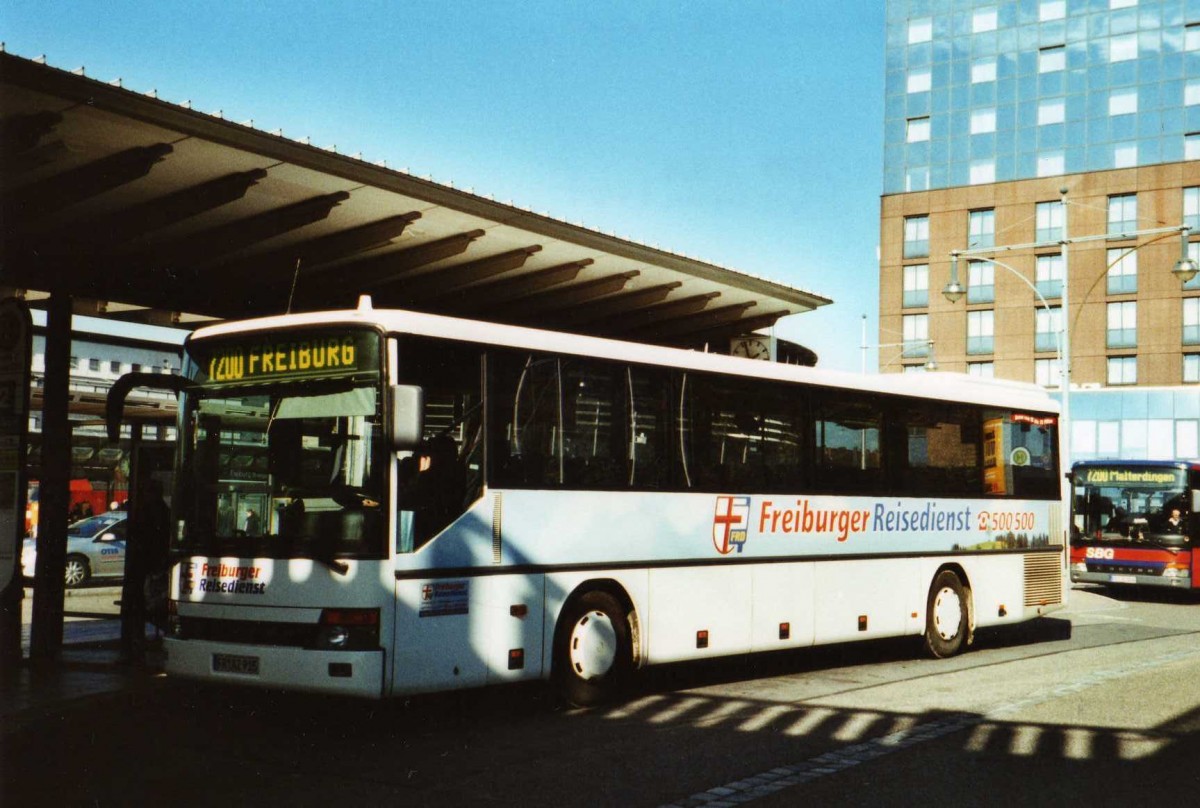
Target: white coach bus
384,502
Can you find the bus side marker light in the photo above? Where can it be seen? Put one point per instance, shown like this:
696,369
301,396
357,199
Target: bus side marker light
518,610
516,659
701,639
785,631
862,622
1003,612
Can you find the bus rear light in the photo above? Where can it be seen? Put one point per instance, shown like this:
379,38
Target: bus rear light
785,631
701,639
348,629
516,659
862,622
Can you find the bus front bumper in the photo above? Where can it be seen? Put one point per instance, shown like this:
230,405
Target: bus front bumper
1125,579
348,673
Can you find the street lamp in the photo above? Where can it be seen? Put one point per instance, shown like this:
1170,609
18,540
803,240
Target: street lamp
1185,269
930,363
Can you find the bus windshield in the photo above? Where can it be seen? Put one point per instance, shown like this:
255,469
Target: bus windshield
1130,503
283,469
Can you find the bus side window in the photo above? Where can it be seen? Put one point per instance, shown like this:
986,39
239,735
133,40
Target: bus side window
847,441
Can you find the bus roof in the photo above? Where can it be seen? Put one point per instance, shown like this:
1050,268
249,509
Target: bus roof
947,386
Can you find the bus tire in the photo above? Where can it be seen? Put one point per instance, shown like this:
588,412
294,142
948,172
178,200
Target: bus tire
593,655
946,616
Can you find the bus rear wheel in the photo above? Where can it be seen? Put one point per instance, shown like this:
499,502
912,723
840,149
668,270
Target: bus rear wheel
946,624
593,655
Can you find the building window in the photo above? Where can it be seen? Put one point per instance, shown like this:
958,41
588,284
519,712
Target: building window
983,20
1191,37
918,130
1047,372
136,367
1049,222
983,172
981,282
981,228
1191,321
74,363
916,237
1048,325
983,70
920,81
114,367
1049,275
981,370
1125,155
1191,146
1191,93
94,365
916,179
1122,272
1052,10
1122,370
1191,368
1051,164
1194,254
920,30
1123,48
1122,3
1051,110
983,121
981,331
916,335
1122,325
1051,60
1123,102
916,285
1191,208
1122,214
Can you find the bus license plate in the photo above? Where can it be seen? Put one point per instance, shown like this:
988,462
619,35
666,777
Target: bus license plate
1123,579
230,663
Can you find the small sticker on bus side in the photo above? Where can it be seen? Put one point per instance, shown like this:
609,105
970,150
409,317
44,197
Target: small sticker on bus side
442,598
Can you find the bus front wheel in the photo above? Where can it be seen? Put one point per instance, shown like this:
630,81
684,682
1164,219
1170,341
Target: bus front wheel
593,655
946,624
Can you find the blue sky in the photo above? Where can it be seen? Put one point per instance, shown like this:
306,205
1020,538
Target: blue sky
744,132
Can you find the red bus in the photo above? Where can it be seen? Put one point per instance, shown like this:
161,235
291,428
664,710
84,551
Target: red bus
1135,523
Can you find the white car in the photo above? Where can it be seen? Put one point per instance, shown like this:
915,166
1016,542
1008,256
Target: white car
95,549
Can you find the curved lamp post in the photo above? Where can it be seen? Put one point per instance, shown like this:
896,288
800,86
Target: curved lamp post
1185,269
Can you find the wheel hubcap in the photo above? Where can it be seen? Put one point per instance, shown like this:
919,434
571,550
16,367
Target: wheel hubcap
947,613
74,573
593,645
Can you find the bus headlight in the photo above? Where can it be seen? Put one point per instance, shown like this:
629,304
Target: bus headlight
1175,572
1079,566
348,630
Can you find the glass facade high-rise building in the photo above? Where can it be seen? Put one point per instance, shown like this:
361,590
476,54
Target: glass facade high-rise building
1047,136
982,91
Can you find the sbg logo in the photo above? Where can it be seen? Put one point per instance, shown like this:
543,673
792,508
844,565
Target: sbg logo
1100,552
730,524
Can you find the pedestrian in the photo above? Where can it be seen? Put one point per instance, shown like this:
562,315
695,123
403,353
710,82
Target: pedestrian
253,523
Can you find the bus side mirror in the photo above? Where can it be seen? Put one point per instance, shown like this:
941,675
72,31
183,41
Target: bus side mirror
408,414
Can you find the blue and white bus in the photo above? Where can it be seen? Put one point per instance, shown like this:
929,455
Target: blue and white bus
386,502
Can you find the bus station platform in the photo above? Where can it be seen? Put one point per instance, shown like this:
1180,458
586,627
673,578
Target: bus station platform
90,666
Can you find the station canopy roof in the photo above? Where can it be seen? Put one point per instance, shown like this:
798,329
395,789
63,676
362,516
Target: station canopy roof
147,210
